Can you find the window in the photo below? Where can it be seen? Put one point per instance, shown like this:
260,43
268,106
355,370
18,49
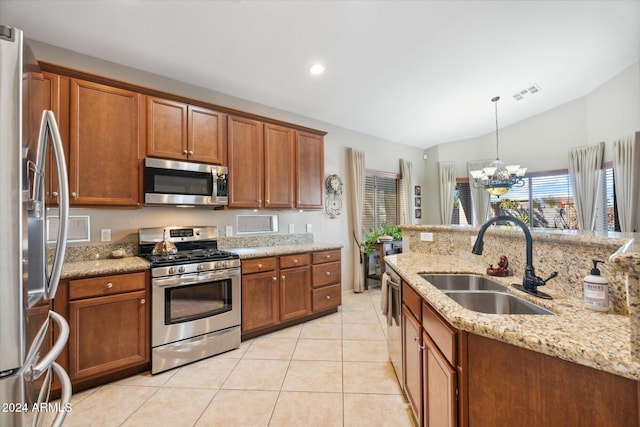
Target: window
381,200
546,201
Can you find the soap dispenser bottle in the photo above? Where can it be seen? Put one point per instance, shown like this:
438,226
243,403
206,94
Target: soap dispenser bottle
596,290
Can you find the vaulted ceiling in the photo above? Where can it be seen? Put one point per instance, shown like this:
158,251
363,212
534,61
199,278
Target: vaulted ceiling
415,72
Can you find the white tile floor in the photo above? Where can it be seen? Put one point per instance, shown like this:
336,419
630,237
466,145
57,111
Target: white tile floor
332,371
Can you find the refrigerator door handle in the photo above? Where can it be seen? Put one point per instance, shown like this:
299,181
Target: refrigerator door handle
63,406
49,127
34,372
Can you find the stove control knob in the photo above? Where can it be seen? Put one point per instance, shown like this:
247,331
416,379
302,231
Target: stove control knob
225,264
172,270
180,269
200,267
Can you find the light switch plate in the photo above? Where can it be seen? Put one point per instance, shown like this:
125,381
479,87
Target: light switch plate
291,228
228,231
308,228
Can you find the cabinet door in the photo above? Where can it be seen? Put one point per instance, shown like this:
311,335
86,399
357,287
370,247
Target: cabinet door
412,361
295,292
278,163
42,92
166,129
107,334
246,160
309,170
259,300
103,152
206,137
440,403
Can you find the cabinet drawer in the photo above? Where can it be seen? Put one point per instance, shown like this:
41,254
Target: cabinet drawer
258,265
296,260
327,297
325,274
326,256
440,332
412,300
106,285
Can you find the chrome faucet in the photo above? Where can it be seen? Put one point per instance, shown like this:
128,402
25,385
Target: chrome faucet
530,281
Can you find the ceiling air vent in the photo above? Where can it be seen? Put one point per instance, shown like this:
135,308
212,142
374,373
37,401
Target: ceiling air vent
519,96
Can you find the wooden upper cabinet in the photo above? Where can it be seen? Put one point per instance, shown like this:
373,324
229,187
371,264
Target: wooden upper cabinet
180,131
206,137
104,143
279,163
246,162
42,92
309,170
166,129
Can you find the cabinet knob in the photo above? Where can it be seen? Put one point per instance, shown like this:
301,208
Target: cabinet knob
328,273
328,297
295,261
190,151
284,277
259,265
142,301
184,151
109,285
327,256
54,194
275,278
267,200
73,194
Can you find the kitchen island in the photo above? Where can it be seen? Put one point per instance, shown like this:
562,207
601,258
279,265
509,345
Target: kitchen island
462,367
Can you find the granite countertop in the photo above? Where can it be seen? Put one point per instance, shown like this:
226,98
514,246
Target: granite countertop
265,251
594,339
100,267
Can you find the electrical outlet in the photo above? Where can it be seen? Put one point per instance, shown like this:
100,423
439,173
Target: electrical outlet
228,231
105,235
308,228
426,237
291,228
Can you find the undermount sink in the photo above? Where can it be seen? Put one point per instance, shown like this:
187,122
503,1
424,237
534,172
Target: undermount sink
462,282
495,302
479,293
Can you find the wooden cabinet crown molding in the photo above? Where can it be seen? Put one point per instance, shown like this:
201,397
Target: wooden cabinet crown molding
69,72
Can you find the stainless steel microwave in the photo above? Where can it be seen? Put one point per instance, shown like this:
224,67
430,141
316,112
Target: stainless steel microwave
170,182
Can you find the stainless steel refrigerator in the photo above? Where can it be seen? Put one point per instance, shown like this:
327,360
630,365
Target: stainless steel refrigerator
29,344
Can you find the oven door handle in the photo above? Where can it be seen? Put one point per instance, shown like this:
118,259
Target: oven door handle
170,282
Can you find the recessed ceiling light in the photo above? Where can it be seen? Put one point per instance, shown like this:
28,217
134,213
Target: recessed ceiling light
316,69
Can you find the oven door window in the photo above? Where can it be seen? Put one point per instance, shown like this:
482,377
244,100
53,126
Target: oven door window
192,302
164,181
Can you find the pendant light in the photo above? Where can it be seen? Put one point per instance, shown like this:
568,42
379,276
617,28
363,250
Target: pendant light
498,178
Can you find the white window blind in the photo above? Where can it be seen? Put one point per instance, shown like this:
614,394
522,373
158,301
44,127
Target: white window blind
380,202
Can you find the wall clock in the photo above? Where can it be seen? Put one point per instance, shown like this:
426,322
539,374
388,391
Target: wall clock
333,201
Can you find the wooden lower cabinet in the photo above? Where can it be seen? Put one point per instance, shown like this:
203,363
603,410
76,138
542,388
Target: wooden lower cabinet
295,292
456,378
259,300
108,320
280,291
109,333
440,402
412,361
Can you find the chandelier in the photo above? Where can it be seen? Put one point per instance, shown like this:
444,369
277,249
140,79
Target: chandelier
498,178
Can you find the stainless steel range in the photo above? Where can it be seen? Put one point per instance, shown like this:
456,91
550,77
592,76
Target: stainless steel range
195,293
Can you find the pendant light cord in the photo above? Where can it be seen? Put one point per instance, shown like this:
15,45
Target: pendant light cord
495,101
